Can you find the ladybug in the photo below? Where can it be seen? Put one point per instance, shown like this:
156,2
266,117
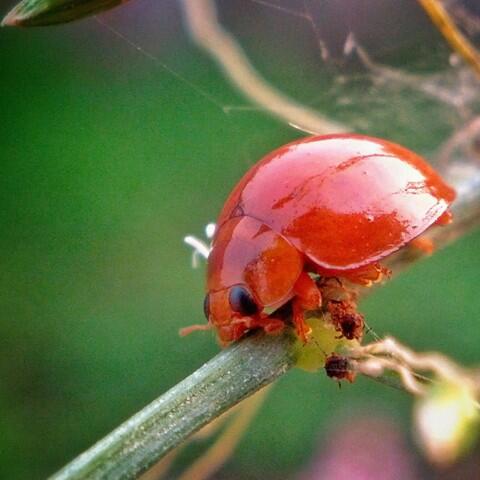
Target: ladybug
330,206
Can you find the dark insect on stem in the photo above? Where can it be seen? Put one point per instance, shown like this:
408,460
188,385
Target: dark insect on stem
339,368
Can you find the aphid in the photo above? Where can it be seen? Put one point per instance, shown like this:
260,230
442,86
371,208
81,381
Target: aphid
345,318
328,206
339,368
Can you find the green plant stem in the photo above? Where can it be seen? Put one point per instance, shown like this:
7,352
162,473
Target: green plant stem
232,375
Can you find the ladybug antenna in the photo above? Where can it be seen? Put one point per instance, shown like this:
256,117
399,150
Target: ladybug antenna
183,332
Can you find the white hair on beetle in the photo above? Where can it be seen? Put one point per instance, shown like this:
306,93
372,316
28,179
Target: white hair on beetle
200,247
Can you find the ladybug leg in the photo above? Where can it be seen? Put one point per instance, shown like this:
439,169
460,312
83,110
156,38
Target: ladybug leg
445,218
367,275
423,244
238,327
332,288
302,329
273,326
307,297
229,333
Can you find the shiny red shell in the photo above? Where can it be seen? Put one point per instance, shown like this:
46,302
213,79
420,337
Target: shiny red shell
338,202
343,200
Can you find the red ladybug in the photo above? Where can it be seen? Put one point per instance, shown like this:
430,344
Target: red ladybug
329,205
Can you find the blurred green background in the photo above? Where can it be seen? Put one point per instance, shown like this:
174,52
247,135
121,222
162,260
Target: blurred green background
108,161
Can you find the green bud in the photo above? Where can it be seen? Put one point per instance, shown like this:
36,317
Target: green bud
323,341
447,420
32,13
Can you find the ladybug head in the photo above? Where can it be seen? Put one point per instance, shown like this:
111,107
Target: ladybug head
233,311
250,268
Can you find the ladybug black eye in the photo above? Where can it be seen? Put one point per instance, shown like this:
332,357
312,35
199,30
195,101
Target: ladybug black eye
241,301
206,305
